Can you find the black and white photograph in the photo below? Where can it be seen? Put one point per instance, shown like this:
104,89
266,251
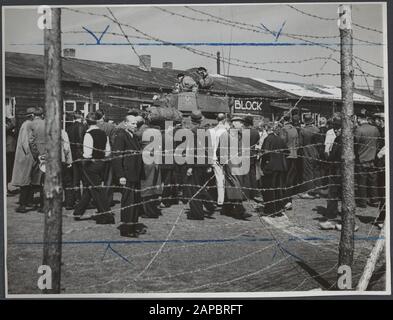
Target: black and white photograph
196,150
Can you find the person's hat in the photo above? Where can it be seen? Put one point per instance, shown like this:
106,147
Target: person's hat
196,116
308,118
237,118
362,115
202,69
295,119
30,110
336,123
249,120
78,114
180,75
221,117
38,111
91,118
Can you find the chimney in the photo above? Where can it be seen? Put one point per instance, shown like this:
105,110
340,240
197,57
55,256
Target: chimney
218,62
167,65
69,53
378,91
145,62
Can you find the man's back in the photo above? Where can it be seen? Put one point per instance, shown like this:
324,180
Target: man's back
290,136
76,132
366,142
109,129
38,135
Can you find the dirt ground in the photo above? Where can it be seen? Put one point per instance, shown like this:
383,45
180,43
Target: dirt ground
221,254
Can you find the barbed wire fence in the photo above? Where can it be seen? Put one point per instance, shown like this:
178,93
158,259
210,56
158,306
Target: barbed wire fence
264,223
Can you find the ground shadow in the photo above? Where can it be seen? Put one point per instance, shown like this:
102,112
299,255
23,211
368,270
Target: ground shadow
325,285
366,219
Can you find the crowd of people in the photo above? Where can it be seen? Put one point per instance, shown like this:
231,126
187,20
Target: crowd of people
287,158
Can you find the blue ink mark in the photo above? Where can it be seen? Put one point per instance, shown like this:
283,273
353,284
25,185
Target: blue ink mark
196,44
277,34
268,30
279,31
364,238
95,37
118,254
115,252
274,255
103,256
290,253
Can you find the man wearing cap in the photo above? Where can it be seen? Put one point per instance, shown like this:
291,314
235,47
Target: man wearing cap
96,147
205,82
186,83
23,164
366,144
308,138
197,173
76,131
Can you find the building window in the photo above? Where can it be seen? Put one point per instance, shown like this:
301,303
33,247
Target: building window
10,107
69,107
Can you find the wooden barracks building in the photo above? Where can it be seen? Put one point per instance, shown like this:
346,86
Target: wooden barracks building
115,88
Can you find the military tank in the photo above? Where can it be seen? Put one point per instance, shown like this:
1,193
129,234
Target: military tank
186,102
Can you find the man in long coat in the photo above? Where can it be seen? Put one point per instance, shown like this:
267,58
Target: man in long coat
23,165
308,140
128,168
290,136
151,187
237,177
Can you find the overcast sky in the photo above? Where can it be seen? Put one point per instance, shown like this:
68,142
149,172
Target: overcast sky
21,34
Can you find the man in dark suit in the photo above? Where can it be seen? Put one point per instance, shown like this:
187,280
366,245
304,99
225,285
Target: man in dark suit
366,144
110,131
96,148
76,132
10,148
254,140
128,168
274,166
197,173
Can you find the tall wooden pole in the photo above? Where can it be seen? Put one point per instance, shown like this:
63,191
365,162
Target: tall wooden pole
348,165
53,183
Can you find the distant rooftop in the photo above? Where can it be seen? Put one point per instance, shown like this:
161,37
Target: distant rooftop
23,65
